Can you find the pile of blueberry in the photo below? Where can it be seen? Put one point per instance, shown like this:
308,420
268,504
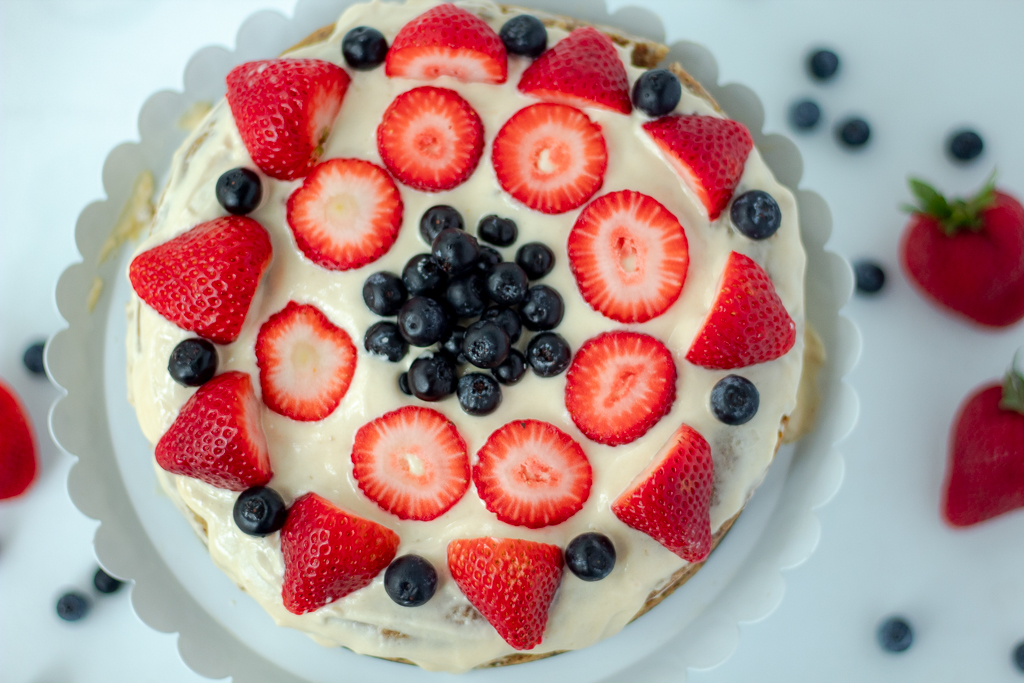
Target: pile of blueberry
805,114
465,304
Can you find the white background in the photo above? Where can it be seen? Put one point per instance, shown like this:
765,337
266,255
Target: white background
74,73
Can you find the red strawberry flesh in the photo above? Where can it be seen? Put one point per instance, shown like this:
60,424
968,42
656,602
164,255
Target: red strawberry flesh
19,461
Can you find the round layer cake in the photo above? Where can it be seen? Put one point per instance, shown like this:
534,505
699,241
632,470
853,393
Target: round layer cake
462,337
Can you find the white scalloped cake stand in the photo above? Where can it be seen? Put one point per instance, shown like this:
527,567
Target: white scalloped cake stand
222,631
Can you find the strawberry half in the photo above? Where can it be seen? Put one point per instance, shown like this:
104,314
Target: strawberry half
550,157
285,110
306,363
670,500
346,214
708,152
204,280
629,255
448,41
620,384
511,582
747,323
430,139
329,553
19,461
583,69
411,462
530,473
218,437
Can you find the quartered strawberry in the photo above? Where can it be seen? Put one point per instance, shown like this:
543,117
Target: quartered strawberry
346,214
670,500
620,384
511,582
530,473
448,41
18,458
218,437
629,255
306,363
708,152
550,157
583,69
329,553
411,462
747,323
284,110
204,280
430,139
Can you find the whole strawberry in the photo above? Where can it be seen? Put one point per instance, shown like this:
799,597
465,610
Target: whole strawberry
18,460
968,255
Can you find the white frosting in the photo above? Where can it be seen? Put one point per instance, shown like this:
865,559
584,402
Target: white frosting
446,634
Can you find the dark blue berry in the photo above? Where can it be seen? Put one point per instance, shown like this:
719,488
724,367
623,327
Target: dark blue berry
854,132
455,250
438,218
403,384
734,400
259,511
895,634
193,362
507,284
1018,656
489,258
384,293
512,370
385,340
805,114
486,344
33,358
536,259
590,556
479,394
543,308
548,354
869,276
453,344
410,580
364,48
508,319
756,214
965,145
657,92
239,191
823,64
423,321
467,295
432,376
423,275
73,606
105,583
524,35
501,232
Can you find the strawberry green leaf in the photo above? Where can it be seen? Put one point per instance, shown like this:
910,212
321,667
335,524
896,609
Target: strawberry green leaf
955,216
1013,389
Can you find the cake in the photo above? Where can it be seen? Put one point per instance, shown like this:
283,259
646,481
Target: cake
463,334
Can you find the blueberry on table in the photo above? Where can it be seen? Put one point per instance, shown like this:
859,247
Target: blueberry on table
965,145
105,583
403,384
543,308
467,295
657,92
364,48
33,358
489,258
385,340
455,250
432,376
1018,657
536,259
423,275
384,293
239,191
869,276
507,284
259,511
479,394
501,232
524,35
410,580
854,132
486,344
590,556
512,369
805,114
756,214
73,606
508,319
548,354
734,400
823,64
895,634
438,218
423,321
193,362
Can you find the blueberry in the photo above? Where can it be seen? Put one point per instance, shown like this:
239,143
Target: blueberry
501,232
965,145
453,344
479,394
823,64
403,384
423,274
536,259
1018,656
385,340
734,400
364,48
193,362
512,370
590,556
467,295
756,214
854,132
105,583
895,634
455,250
805,114
489,258
73,606
384,293
486,344
508,319
410,580
548,354
432,376
259,511
657,92
869,276
507,284
438,218
33,358
543,308
423,321
239,191
524,35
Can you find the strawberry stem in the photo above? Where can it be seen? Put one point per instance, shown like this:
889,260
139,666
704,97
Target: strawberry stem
1013,388
955,216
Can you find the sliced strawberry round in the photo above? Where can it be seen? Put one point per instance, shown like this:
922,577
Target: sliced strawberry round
583,69
329,553
284,110
670,500
619,385
204,280
530,473
448,41
511,582
411,462
19,460
747,323
550,157
346,214
218,437
708,152
629,255
430,139
306,363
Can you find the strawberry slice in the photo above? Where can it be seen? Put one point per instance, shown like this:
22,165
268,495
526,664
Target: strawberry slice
448,41
706,151
411,462
511,582
530,473
204,280
329,553
19,460
285,110
583,69
670,500
218,437
346,214
550,157
620,384
629,255
430,139
747,323
306,363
